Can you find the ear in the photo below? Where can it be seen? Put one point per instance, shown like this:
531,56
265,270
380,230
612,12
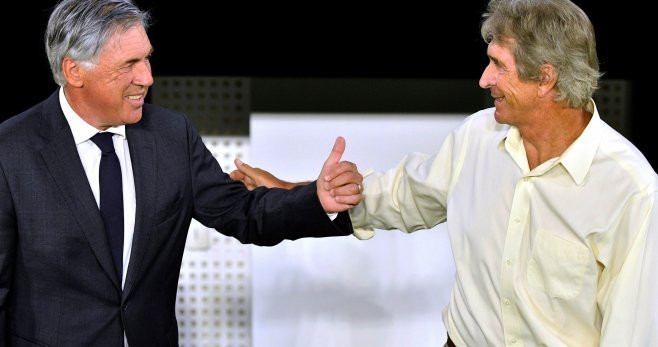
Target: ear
73,72
547,79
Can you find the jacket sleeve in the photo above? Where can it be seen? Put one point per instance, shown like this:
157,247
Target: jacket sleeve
262,216
7,251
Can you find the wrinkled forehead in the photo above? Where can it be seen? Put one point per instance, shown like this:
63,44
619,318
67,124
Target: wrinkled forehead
123,46
498,48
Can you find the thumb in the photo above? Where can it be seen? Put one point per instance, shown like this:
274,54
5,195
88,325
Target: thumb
243,167
336,152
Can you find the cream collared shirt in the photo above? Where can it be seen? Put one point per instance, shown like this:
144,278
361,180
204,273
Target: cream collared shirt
90,156
565,254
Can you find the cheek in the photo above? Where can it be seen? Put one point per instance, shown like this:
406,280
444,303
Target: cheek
514,91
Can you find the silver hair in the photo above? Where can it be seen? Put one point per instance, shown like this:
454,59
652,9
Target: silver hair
78,29
555,32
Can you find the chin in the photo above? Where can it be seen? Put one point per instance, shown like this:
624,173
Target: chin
132,118
499,117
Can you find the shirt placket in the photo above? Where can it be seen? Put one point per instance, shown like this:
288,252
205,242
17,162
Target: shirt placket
517,224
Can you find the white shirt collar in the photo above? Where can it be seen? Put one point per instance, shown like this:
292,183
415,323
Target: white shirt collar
576,159
83,131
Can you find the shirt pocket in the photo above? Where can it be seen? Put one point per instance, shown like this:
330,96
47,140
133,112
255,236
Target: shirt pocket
557,265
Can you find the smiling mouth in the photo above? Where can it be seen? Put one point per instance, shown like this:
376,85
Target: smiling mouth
134,97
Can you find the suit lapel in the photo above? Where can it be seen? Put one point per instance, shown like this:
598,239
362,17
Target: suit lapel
142,156
63,161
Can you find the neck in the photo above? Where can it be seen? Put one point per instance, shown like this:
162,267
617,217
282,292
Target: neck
551,130
76,102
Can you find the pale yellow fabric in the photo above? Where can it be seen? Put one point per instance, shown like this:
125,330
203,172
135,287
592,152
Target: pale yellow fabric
563,255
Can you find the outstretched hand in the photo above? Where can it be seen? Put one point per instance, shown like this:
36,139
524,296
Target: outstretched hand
339,184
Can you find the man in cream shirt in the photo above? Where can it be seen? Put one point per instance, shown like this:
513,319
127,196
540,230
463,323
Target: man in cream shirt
551,213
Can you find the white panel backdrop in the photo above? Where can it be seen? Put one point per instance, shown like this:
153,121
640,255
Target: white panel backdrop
388,291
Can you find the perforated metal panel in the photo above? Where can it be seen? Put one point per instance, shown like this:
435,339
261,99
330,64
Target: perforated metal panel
213,306
215,105
613,100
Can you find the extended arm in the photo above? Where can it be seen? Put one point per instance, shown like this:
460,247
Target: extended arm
262,216
409,197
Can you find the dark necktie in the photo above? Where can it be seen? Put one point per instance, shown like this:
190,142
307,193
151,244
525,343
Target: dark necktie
111,200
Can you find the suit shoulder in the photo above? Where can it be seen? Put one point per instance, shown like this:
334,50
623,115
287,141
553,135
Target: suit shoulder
163,119
170,126
21,125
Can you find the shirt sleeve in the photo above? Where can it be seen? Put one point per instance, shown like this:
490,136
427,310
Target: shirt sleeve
411,196
628,288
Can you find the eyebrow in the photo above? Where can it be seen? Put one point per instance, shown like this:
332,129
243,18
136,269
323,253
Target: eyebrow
134,60
496,61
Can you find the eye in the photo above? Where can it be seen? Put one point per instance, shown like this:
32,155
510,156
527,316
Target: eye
126,67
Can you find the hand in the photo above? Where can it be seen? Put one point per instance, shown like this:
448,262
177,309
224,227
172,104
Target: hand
339,184
253,177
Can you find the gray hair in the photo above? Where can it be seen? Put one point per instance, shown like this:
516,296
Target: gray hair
78,29
555,32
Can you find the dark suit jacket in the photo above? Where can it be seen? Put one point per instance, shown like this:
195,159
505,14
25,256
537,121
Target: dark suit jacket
58,286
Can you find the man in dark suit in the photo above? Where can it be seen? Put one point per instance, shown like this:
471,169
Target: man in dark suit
91,238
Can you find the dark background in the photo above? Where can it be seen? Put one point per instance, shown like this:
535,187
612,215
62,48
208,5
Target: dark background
330,40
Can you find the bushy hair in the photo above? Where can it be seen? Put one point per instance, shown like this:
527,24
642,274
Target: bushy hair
555,32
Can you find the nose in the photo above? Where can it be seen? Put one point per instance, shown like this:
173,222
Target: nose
487,80
143,76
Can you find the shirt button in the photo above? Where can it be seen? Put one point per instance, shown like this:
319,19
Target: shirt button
517,220
526,179
508,262
512,340
506,302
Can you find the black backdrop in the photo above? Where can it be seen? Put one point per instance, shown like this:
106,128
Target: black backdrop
327,39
